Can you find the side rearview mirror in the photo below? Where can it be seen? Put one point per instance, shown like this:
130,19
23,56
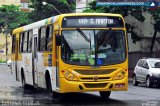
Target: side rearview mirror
58,40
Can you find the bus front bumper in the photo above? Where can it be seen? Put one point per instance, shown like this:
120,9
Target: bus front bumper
77,86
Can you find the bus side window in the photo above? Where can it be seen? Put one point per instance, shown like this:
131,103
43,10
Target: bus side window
42,39
25,37
39,39
49,38
13,44
30,41
21,41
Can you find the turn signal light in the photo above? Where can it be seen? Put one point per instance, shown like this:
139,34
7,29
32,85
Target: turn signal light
69,76
120,75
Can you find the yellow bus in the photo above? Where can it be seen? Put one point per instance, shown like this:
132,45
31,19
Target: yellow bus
73,53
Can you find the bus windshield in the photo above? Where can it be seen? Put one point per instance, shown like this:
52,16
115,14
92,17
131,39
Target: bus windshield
93,47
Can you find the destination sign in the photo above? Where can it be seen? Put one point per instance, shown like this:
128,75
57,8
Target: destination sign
92,22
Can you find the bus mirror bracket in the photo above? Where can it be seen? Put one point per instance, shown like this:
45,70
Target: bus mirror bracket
58,40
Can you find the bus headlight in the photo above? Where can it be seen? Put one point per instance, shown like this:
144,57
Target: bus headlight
120,75
69,76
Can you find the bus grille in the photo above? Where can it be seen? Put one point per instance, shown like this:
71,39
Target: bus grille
92,79
95,72
102,85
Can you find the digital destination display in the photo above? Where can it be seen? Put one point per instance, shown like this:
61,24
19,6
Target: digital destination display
92,22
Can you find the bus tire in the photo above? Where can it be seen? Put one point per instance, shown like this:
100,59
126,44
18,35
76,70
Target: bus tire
48,82
149,83
135,82
55,95
24,85
105,94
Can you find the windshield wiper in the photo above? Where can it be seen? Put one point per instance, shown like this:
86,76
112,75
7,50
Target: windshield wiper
83,35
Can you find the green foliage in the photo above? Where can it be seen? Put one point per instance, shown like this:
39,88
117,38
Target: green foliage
124,11
1,61
156,16
41,11
11,17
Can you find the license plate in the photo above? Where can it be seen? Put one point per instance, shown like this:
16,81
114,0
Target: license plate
119,85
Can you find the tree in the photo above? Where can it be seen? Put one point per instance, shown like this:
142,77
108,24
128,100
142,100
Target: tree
41,12
135,12
124,11
11,17
156,15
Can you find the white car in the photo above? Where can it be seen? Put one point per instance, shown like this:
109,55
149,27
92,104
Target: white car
147,71
9,62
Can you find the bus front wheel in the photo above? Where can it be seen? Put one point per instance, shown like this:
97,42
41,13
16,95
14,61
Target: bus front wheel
105,94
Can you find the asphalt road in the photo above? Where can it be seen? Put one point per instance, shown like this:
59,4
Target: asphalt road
11,93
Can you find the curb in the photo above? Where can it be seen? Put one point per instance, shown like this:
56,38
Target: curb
130,80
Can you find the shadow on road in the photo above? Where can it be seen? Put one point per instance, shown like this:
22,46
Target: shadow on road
143,85
87,99
78,99
70,99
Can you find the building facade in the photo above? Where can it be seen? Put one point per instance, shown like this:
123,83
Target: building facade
5,50
25,5
8,2
81,5
6,41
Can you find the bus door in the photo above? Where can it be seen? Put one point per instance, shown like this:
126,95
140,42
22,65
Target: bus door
16,60
57,62
35,57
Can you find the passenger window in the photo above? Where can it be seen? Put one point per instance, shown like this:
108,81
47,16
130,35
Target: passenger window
45,38
25,37
21,41
42,39
30,41
49,38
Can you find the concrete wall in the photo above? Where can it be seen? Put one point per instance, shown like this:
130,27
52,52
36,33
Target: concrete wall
145,30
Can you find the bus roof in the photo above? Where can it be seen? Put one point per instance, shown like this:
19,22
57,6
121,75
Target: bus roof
55,19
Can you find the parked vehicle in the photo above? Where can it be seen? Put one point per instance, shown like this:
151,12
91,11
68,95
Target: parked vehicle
147,71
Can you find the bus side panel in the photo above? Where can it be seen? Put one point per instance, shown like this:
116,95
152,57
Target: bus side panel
19,64
24,65
48,60
14,58
28,65
13,64
41,70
